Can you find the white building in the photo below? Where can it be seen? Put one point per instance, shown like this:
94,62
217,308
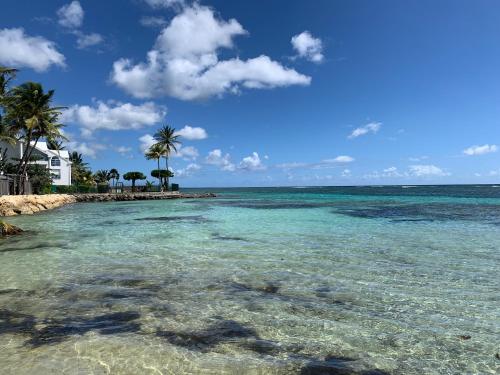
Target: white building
57,161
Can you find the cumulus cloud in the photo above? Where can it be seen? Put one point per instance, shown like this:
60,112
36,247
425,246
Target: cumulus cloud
145,142
113,116
123,150
187,153
71,15
308,46
192,133
184,62
480,150
215,157
20,50
153,21
86,149
426,170
88,40
188,171
252,163
372,127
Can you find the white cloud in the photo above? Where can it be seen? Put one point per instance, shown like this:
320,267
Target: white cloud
188,171
113,116
426,170
88,40
123,150
252,163
71,15
146,141
292,165
346,173
153,21
184,62
215,157
86,149
372,127
20,50
340,159
308,46
164,3
192,133
418,158
187,153
480,150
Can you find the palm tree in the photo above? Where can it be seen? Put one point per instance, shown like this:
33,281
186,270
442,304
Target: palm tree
54,144
102,176
114,175
156,151
169,140
6,75
30,114
134,176
7,134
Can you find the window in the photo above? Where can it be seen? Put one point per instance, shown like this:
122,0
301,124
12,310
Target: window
56,174
55,162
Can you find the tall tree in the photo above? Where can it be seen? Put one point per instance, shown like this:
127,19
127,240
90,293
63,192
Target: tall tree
155,152
55,144
167,137
133,176
31,115
7,134
102,176
113,173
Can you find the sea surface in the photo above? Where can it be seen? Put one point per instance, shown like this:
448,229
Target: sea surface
328,280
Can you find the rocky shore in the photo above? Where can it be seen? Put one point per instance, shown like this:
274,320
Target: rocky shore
11,205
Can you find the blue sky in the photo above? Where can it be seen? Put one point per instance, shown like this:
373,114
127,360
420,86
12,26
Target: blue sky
272,93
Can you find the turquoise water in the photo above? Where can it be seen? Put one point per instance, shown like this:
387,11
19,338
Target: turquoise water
367,280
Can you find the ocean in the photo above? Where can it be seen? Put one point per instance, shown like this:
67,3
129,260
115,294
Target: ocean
323,280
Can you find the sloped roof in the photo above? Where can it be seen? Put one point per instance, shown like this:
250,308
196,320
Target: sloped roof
42,147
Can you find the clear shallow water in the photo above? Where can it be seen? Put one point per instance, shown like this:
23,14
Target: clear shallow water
369,280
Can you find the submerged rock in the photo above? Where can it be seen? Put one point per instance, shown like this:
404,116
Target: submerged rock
9,229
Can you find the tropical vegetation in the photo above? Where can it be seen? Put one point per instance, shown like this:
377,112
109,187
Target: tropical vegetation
169,139
134,176
28,116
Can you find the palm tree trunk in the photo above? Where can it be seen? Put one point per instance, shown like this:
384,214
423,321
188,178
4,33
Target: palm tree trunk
159,176
166,166
133,186
26,162
21,163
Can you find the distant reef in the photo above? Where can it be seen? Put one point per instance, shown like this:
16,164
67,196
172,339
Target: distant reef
11,205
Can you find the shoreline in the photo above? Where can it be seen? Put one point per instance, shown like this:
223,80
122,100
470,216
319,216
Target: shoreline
12,205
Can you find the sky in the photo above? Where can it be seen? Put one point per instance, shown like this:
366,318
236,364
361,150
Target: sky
272,93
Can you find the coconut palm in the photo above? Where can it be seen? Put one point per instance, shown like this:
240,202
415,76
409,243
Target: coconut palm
133,176
102,176
167,137
55,144
32,117
7,134
114,175
155,152
6,75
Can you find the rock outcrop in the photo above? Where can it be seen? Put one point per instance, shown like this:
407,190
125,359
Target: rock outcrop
11,205
7,229
29,204
95,197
